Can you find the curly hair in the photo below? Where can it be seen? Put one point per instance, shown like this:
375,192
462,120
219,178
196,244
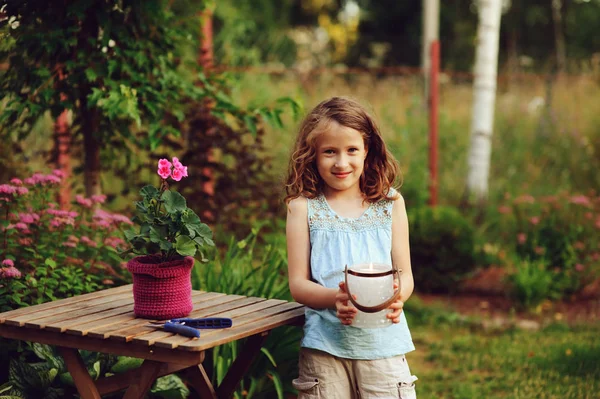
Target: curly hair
381,168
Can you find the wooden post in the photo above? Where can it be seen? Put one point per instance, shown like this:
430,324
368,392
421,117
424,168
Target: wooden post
433,121
206,59
62,152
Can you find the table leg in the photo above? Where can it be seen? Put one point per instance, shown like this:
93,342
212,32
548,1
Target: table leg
82,379
241,365
196,376
148,372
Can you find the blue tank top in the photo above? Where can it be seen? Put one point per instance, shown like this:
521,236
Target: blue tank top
338,241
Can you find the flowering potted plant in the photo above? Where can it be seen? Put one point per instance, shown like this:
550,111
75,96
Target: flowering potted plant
169,236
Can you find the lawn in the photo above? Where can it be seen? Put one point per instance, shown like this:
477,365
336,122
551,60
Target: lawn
459,360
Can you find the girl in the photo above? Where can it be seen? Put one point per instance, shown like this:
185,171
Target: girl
343,210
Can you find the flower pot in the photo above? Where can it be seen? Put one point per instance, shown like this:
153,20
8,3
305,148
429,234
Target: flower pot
161,290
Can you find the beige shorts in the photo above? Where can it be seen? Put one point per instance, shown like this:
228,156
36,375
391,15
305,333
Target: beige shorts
325,376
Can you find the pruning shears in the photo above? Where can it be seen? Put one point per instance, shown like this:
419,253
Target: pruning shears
189,327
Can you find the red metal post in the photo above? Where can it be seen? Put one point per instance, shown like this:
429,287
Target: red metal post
433,121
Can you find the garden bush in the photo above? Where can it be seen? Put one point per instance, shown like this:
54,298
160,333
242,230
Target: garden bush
442,246
49,253
530,284
560,232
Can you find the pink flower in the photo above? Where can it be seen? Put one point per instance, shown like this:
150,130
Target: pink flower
504,209
29,218
70,244
113,242
16,182
85,202
164,168
7,189
52,179
176,163
164,172
59,173
8,262
534,220
521,238
177,174
99,199
10,272
581,200
21,226
89,242
22,190
164,163
579,267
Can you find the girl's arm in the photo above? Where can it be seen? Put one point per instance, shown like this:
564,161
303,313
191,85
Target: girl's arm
303,289
401,256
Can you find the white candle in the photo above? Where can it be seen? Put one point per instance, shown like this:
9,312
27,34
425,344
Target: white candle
371,291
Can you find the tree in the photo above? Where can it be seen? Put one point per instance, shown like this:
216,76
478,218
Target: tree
484,97
119,64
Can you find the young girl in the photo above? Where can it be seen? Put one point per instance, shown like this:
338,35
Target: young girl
343,210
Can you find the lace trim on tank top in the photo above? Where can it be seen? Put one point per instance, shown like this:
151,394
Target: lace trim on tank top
322,217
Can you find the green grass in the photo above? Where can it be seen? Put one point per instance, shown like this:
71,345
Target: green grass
458,362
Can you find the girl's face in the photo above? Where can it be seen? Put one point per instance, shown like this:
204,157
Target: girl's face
341,157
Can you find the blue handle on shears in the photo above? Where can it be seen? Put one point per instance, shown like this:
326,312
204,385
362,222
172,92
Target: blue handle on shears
205,322
181,329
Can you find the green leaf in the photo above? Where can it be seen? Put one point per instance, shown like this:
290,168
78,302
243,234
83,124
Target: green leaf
126,363
149,192
174,202
185,246
50,262
90,74
266,352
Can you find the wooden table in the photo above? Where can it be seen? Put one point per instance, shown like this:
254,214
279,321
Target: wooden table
103,321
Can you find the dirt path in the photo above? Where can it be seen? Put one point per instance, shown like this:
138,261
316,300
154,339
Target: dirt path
572,312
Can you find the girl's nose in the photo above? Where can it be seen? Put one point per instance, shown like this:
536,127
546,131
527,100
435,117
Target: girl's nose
341,162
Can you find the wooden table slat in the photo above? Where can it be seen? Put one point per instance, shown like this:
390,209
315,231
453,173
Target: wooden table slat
94,318
174,340
62,302
130,333
42,322
44,317
101,321
106,331
228,335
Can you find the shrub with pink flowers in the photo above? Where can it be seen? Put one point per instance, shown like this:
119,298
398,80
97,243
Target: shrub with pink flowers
560,232
48,253
167,227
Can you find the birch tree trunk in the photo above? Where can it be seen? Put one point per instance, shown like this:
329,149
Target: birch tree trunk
484,98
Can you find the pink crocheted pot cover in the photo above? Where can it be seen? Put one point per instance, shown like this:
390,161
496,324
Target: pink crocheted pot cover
161,290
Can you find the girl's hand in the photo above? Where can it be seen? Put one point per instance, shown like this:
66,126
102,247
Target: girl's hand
396,307
345,310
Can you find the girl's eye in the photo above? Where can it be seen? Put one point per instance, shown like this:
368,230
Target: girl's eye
353,149
328,151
